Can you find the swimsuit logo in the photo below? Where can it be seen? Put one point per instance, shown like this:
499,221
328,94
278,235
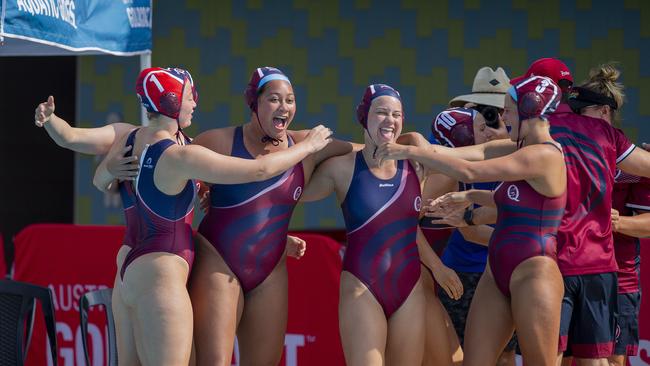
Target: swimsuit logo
297,193
382,185
513,193
417,203
147,164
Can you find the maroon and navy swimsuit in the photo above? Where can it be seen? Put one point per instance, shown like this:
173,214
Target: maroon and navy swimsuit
526,227
381,219
164,222
248,223
127,194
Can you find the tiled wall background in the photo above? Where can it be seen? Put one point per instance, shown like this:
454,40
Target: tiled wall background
331,49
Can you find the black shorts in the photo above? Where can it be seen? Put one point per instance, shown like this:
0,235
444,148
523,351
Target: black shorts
627,335
458,309
588,319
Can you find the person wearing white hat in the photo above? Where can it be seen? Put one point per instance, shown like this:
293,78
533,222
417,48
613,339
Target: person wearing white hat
466,250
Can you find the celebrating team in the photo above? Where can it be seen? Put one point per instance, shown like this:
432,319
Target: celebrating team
533,253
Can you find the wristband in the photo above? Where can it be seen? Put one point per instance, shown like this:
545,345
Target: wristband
468,217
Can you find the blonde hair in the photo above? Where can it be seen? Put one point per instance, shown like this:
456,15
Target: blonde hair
603,79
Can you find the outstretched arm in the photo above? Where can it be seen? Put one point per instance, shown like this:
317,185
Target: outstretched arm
481,197
529,162
335,148
452,209
94,141
488,150
198,162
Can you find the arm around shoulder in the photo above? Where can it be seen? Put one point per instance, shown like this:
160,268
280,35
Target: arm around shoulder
323,182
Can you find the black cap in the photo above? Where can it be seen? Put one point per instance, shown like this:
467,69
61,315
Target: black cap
580,97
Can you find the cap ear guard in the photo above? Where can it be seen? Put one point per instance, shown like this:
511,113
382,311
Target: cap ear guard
250,95
536,96
170,103
463,135
362,114
530,104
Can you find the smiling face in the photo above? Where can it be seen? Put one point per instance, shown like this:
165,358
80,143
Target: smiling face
511,117
187,107
385,119
276,107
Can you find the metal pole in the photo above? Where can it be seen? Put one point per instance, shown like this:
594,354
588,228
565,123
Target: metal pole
145,62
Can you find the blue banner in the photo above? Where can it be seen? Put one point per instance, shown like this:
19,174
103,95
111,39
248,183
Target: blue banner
118,27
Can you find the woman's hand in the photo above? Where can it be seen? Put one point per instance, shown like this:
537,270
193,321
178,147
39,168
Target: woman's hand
616,220
448,209
296,247
392,151
317,138
449,281
44,111
123,167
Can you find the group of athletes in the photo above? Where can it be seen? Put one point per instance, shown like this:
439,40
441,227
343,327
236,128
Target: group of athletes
530,170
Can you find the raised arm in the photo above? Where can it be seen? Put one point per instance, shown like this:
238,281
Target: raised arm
94,141
198,162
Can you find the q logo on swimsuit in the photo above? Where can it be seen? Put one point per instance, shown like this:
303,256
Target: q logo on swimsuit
297,193
417,203
513,193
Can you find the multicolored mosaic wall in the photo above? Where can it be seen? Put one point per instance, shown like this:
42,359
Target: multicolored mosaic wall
429,50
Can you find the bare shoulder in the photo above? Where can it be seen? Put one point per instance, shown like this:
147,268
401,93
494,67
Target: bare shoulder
177,156
122,128
297,135
217,139
547,151
121,137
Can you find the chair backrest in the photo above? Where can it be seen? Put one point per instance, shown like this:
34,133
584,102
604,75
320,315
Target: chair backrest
17,307
92,298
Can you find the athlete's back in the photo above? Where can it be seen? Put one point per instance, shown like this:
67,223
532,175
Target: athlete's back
592,148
